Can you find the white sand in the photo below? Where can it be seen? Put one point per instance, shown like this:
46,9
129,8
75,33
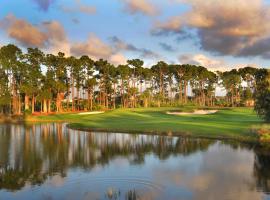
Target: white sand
91,113
196,112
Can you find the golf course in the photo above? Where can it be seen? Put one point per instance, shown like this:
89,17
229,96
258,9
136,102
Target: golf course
233,123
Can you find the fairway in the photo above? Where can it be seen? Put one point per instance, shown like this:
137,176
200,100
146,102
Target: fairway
226,123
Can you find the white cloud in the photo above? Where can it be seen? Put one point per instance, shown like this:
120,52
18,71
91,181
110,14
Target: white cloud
200,59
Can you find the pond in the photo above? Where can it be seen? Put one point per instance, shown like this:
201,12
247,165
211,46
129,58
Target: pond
50,161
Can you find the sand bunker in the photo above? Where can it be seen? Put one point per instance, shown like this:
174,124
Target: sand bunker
196,112
91,113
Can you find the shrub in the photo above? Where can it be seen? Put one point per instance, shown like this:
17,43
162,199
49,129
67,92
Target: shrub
264,134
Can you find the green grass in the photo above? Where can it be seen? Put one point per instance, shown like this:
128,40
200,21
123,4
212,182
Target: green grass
226,123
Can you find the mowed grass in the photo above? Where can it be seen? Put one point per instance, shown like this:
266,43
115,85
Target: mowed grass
226,123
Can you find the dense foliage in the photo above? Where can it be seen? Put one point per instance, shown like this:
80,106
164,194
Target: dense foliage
262,94
37,82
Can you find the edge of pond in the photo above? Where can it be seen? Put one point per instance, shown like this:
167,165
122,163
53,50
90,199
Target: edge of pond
247,139
80,127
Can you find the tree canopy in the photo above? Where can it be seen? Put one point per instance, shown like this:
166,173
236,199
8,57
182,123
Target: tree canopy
33,81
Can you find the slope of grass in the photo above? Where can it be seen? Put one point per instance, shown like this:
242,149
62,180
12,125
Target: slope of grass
226,123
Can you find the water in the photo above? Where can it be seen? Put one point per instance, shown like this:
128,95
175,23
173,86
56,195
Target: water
50,161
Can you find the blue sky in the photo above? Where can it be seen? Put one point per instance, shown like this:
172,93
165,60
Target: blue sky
217,34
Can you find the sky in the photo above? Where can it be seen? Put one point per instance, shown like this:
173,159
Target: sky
217,34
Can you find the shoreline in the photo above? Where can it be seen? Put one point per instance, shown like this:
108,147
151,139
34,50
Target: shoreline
248,139
70,125
239,124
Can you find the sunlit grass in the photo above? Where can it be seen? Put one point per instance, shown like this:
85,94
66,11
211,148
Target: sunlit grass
226,123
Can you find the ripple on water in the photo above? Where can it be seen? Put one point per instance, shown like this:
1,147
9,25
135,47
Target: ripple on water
125,183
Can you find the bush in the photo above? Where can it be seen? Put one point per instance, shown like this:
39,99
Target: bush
264,134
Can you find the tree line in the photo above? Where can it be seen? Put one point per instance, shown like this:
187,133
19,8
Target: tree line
37,82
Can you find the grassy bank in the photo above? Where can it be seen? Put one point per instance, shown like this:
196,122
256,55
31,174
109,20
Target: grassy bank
227,123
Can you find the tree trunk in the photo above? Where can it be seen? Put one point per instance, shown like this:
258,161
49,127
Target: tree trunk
19,105
180,92
185,91
49,105
26,102
122,93
72,94
88,98
140,86
232,97
91,101
14,97
114,95
158,103
45,109
77,106
146,102
33,104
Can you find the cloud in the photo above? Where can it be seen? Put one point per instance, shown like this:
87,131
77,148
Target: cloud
51,37
200,59
261,46
118,59
119,45
212,173
172,25
43,4
48,35
140,6
79,7
23,32
75,21
166,47
56,181
211,63
58,40
95,48
230,27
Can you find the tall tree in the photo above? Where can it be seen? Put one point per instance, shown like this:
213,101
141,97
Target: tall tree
10,56
123,72
231,81
59,70
90,81
160,70
34,58
262,94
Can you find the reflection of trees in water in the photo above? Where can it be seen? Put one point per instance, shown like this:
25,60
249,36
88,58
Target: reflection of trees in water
234,144
33,153
261,162
262,168
113,194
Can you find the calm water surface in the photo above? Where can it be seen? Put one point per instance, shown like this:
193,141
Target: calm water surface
50,161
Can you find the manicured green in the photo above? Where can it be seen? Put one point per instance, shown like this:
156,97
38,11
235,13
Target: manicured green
226,123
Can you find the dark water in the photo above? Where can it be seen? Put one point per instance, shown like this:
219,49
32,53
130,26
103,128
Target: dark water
50,161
